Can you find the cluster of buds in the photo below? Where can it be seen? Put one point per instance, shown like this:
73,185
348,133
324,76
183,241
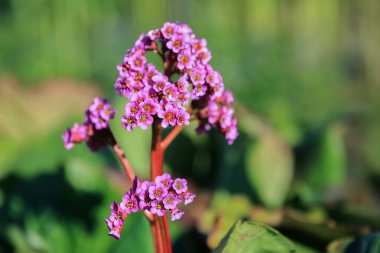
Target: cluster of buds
158,197
95,129
154,95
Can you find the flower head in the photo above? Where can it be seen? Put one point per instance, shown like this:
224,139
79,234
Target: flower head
158,197
116,219
95,129
185,55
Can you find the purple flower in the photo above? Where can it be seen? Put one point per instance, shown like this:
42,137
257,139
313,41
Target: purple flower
198,44
182,84
129,122
168,116
164,180
142,189
185,60
116,219
154,34
168,30
180,185
107,113
115,231
137,62
122,85
184,98
171,92
129,204
232,133
157,192
143,194
197,76
157,208
204,55
213,112
170,201
211,76
176,43
96,106
144,119
149,106
160,81
226,116
66,137
217,90
99,113
199,90
189,197
227,97
176,214
98,122
76,134
150,72
183,117
132,108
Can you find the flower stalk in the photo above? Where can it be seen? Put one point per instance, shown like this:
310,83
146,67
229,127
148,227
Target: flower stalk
159,226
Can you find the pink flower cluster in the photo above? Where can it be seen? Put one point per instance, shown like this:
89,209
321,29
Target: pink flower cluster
158,197
94,127
154,95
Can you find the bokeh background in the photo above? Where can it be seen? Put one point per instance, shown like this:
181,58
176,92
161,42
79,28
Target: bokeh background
306,78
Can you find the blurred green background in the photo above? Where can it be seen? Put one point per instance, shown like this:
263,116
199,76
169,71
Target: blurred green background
306,78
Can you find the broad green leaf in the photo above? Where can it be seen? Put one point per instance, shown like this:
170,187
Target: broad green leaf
221,212
269,165
251,237
328,169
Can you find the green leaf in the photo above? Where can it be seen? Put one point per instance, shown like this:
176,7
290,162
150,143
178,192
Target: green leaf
270,168
326,167
250,237
339,245
220,209
329,169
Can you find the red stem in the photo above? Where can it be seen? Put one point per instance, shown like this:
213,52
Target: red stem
159,225
124,162
171,136
128,171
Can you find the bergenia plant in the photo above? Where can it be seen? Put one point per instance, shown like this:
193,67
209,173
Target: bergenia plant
188,89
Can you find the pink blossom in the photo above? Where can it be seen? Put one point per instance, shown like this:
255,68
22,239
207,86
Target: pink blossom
149,106
129,122
144,119
168,30
168,116
129,204
176,43
160,81
185,60
171,92
183,117
180,185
